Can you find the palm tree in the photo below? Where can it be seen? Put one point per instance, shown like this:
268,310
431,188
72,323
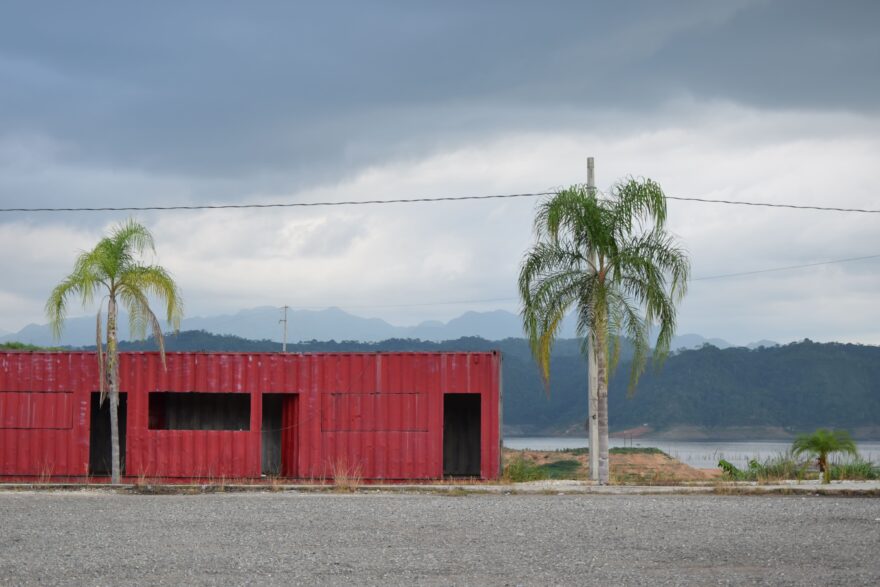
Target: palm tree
822,443
112,268
611,260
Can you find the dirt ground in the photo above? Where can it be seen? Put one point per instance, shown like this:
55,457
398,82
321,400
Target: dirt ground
641,468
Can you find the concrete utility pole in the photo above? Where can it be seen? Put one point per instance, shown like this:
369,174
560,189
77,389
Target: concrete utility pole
284,335
592,366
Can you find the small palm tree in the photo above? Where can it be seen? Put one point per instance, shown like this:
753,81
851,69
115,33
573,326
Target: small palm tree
822,443
112,268
611,260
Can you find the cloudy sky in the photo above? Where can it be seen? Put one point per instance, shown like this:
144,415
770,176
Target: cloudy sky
136,104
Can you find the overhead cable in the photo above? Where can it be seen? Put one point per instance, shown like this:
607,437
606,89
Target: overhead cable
489,300
415,201
774,269
772,205
280,204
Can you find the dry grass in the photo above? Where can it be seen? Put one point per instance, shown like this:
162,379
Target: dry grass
45,472
346,477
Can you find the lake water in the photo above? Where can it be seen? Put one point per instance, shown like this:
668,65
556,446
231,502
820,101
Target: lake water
702,454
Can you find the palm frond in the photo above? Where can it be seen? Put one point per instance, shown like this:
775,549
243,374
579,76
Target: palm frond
637,202
130,238
82,284
155,281
610,258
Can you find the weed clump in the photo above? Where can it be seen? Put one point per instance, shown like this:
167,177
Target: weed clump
857,469
520,469
786,466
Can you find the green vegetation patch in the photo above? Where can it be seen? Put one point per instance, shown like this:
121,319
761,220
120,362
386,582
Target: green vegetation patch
858,469
520,470
565,469
21,346
629,450
786,466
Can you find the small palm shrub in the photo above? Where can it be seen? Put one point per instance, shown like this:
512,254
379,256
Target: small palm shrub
824,442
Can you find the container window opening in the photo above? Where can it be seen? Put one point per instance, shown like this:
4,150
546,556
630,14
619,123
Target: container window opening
199,411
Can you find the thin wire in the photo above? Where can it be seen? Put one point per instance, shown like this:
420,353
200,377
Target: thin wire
705,278
281,205
416,201
769,205
724,275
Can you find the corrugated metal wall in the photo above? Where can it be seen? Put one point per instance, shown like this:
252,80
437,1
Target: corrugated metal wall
373,415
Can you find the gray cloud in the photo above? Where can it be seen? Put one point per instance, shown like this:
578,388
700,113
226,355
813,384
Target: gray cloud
133,104
287,96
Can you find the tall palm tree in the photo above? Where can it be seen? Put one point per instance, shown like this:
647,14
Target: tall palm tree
822,443
612,261
112,268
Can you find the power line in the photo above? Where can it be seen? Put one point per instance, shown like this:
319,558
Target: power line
281,204
705,278
742,273
770,205
415,201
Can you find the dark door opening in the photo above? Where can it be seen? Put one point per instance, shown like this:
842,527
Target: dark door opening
461,435
99,435
279,434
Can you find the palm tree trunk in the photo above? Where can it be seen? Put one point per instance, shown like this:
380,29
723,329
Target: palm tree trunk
113,377
593,412
602,375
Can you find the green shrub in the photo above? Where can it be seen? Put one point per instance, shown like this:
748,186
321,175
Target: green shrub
782,466
777,468
520,469
730,471
857,469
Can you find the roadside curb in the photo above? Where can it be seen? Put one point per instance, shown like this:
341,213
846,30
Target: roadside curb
840,489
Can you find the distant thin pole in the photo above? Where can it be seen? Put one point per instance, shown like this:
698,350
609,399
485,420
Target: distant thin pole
284,330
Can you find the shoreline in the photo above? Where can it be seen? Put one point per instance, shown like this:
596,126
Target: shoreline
693,434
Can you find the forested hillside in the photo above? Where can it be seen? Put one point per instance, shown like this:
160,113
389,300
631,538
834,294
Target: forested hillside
795,387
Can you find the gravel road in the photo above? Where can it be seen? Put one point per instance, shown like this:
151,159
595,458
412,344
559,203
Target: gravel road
99,538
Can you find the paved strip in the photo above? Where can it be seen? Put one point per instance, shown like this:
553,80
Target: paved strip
564,486
103,538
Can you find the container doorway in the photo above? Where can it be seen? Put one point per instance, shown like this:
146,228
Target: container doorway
461,435
99,435
279,434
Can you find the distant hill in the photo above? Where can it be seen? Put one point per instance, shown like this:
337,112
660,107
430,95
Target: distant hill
329,324
707,391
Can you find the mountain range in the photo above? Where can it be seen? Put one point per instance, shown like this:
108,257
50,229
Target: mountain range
771,392
263,323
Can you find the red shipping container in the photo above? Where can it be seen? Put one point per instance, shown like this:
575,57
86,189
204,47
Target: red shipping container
376,416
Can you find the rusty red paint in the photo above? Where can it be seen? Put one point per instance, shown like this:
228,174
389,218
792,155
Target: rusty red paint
378,414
